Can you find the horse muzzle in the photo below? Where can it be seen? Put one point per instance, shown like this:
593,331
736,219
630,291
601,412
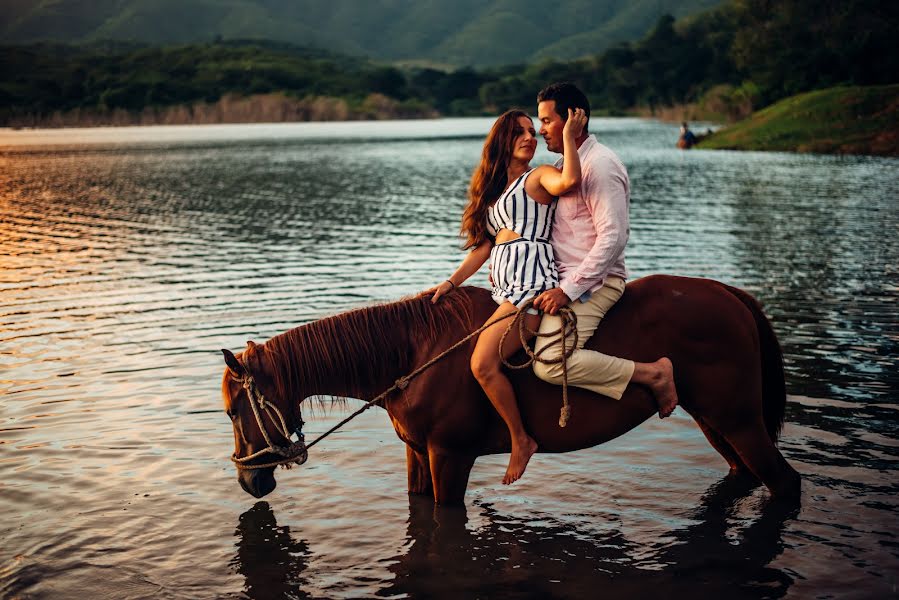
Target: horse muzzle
257,482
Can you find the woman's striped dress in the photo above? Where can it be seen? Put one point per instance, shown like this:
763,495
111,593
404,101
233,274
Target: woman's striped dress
524,267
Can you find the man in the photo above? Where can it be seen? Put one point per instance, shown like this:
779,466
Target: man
590,231
686,140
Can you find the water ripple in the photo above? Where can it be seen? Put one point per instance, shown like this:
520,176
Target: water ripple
128,257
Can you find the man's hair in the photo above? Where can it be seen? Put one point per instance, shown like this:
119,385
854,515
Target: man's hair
566,95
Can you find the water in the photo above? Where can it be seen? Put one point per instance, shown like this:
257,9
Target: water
128,257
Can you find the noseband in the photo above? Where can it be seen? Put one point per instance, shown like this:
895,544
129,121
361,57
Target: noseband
295,453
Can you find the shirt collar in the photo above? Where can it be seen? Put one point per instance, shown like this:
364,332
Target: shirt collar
589,144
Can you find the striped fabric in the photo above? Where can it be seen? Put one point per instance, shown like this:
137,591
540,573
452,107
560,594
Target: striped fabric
524,267
518,212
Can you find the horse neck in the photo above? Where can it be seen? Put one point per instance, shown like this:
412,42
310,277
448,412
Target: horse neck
353,355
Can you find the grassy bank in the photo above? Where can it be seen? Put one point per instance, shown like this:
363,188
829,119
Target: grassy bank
839,120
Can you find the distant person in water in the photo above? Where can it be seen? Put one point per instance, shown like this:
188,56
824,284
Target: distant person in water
508,219
591,226
686,140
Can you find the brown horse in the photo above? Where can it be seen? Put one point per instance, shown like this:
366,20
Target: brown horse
728,368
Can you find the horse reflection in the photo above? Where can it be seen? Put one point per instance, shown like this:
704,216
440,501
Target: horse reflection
505,559
743,559
268,557
516,559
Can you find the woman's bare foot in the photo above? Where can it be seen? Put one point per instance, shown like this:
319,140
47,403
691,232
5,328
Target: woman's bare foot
518,462
663,387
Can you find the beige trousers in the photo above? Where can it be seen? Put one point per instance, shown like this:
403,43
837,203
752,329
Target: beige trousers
597,372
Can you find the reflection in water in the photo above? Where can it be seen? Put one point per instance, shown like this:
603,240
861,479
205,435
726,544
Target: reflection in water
716,554
712,558
270,559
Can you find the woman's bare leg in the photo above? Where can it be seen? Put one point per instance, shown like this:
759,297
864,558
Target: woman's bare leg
487,369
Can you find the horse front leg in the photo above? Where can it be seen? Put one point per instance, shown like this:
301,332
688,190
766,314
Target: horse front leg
419,471
449,475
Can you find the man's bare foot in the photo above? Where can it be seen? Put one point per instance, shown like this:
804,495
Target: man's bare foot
518,462
663,387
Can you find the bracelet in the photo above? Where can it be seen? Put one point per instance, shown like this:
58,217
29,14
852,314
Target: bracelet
451,283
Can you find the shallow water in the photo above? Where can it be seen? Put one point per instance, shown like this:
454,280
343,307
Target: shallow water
128,257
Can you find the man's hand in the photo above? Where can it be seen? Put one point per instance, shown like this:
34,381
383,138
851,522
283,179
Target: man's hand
551,301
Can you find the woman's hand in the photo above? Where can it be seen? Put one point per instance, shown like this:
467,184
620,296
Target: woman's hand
574,126
441,290
559,181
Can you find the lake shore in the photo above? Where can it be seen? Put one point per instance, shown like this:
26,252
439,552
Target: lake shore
839,120
232,108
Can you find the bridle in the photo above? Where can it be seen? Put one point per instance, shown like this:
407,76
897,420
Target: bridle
295,453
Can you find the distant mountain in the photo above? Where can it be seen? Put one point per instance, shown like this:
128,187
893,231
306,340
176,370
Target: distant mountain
463,32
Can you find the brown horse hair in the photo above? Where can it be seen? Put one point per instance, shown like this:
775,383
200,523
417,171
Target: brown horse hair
489,178
355,348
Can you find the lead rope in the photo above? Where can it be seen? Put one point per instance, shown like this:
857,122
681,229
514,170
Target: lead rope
297,452
569,325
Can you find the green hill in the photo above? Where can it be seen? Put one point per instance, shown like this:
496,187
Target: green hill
737,57
840,120
465,32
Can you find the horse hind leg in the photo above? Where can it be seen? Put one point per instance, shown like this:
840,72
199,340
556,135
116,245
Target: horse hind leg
724,449
758,452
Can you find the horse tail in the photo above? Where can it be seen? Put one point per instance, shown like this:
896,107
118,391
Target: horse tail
774,387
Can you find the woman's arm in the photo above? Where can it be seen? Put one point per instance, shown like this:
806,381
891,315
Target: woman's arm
558,182
477,257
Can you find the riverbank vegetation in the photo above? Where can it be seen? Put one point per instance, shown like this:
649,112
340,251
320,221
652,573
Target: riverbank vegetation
839,120
59,85
719,65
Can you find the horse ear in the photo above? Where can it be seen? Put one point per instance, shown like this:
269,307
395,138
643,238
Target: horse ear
234,365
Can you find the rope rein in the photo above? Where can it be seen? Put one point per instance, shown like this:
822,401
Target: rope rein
297,452
568,328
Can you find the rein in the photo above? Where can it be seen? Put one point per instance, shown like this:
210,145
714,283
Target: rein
298,452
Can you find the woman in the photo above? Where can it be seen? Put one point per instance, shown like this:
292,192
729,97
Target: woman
508,220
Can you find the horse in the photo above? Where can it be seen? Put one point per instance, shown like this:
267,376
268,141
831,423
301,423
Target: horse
727,362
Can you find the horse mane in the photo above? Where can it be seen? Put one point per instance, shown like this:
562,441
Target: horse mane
347,352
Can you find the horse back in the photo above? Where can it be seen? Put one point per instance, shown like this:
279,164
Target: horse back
684,318
696,323
705,330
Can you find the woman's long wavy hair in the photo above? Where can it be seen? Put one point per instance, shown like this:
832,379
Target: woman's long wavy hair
489,178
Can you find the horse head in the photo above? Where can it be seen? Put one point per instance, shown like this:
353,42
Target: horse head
262,420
